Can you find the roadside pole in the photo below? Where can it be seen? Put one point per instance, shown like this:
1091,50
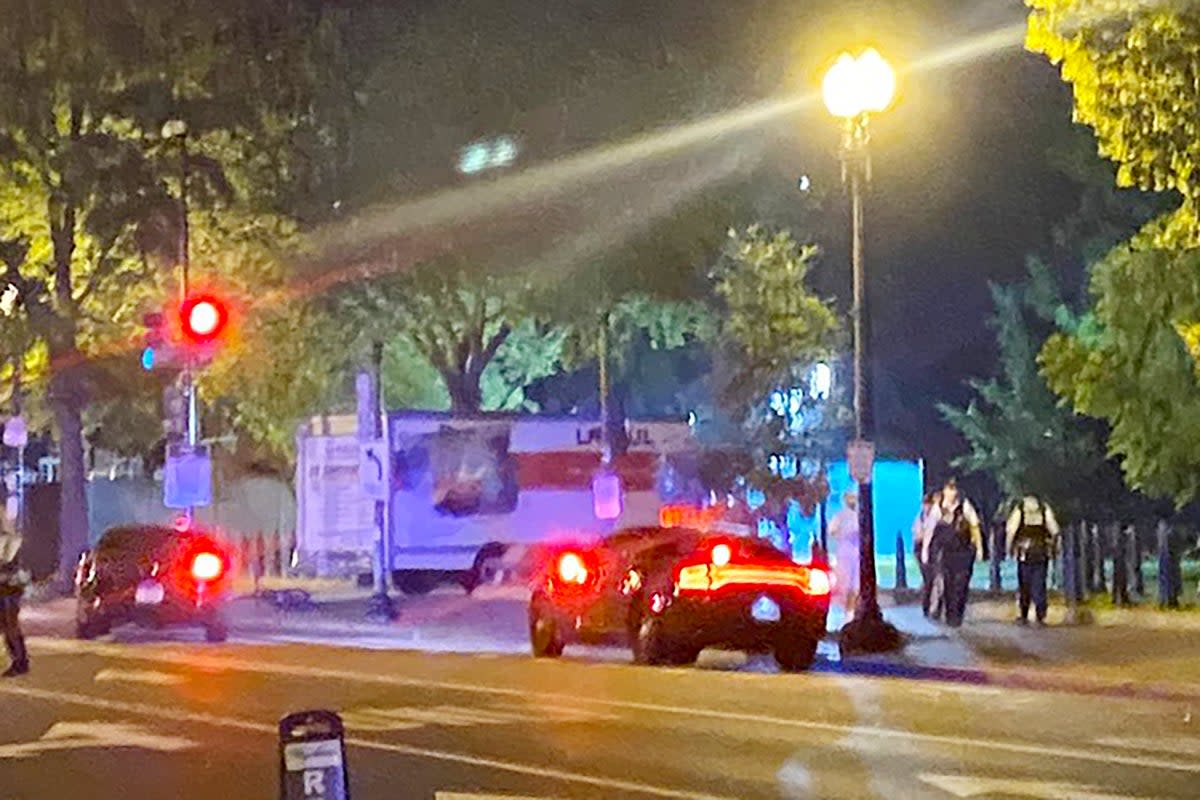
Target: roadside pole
374,473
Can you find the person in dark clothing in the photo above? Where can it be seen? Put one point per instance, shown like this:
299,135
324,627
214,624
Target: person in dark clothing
1032,540
955,545
12,586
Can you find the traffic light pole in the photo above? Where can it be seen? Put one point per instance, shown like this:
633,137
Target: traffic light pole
188,377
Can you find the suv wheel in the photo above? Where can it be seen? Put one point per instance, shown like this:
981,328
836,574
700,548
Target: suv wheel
795,652
215,630
650,644
544,639
87,627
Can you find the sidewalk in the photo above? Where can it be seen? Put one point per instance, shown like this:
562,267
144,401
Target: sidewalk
1136,653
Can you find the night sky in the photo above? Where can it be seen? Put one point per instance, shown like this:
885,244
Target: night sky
963,191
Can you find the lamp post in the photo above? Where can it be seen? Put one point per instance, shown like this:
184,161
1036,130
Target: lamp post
854,88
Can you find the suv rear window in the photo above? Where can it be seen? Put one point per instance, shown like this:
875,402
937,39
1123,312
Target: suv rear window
119,543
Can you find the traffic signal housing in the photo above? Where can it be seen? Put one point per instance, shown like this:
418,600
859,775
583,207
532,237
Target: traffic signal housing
203,319
187,334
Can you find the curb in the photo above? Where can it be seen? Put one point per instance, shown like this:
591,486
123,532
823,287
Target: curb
1015,679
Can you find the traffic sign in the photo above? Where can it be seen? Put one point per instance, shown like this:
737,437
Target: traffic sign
860,454
312,754
373,469
15,432
606,495
187,477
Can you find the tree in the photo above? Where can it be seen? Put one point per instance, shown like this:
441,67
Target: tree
459,319
1016,429
1126,362
1131,65
772,330
86,204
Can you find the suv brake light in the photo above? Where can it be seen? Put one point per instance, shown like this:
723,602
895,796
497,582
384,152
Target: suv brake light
207,566
571,569
713,577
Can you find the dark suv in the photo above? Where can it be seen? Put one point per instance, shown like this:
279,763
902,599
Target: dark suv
154,576
671,592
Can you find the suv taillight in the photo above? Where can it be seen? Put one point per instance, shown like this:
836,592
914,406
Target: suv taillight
571,569
207,566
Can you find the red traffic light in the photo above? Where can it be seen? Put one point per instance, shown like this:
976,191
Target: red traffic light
203,318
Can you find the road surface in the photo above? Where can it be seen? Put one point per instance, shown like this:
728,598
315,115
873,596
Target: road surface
149,718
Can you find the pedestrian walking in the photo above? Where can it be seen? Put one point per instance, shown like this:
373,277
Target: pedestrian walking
12,585
955,545
1032,539
931,590
843,528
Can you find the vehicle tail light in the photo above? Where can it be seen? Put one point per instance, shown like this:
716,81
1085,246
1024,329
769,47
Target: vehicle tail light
571,569
713,577
721,554
819,582
207,566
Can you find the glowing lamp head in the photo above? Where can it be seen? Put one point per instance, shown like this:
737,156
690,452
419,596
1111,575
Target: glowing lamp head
571,569
859,85
721,554
207,566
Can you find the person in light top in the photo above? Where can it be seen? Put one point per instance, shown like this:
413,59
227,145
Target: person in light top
843,529
955,545
1033,539
922,529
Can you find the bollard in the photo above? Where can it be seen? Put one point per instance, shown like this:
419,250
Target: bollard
1120,586
901,563
1168,593
1083,555
312,757
996,557
1139,577
1070,568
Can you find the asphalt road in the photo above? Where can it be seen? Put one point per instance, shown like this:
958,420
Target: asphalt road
140,718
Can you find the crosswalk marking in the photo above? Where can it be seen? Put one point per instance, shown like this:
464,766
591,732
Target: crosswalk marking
147,676
369,718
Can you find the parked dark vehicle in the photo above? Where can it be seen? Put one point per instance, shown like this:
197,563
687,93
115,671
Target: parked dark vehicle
671,592
155,576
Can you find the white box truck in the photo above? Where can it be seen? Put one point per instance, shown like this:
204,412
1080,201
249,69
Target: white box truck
469,494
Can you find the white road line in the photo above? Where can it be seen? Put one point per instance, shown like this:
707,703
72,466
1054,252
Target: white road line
977,786
139,676
194,660
1175,745
165,713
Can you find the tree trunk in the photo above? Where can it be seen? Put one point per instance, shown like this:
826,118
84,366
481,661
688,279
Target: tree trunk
67,400
466,394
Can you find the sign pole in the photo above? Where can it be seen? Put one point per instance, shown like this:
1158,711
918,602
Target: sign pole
370,431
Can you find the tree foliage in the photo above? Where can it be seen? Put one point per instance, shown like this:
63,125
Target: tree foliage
86,209
772,327
1127,363
1016,429
1132,65
772,330
459,318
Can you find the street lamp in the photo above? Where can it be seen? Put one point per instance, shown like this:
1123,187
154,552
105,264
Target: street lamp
854,88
